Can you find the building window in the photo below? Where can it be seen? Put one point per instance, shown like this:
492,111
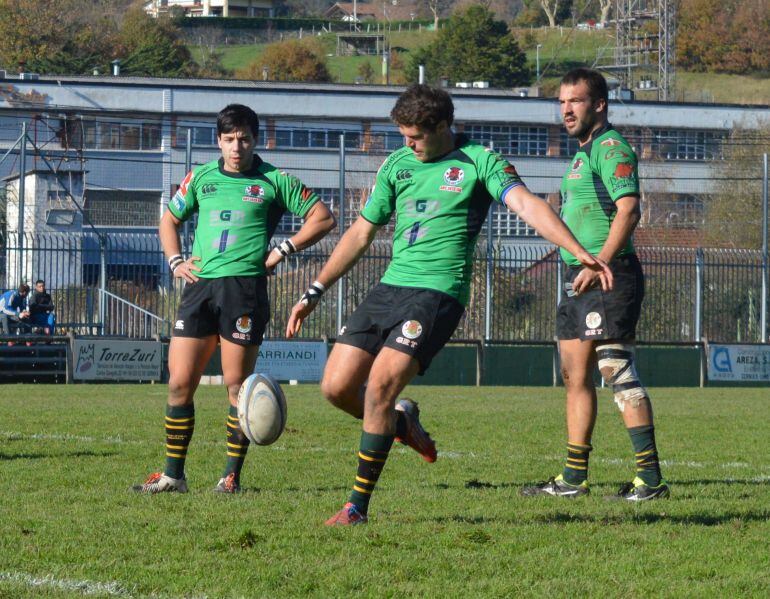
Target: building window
315,137
118,208
686,144
511,141
206,137
508,224
105,135
568,146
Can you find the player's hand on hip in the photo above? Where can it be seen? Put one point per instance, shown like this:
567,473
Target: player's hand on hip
186,270
274,258
595,270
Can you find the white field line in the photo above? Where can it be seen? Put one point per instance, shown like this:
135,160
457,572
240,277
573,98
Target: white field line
82,587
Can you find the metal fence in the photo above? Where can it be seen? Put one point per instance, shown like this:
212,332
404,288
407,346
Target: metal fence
120,284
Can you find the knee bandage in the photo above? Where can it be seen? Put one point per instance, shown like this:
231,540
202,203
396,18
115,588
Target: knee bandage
616,363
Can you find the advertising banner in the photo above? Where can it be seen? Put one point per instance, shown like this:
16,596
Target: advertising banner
747,363
116,359
292,360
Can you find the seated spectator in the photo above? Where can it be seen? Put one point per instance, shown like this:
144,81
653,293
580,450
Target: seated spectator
12,310
40,307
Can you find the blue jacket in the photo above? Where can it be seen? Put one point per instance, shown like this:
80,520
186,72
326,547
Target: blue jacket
11,304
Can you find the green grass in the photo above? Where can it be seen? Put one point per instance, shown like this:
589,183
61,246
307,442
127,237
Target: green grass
457,527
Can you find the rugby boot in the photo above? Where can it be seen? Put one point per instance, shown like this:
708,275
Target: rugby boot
416,437
556,486
349,515
638,490
228,484
158,482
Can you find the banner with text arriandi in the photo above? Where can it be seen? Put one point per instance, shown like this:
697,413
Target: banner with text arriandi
747,363
292,360
116,360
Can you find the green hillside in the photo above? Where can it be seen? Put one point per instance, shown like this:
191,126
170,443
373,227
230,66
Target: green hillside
560,50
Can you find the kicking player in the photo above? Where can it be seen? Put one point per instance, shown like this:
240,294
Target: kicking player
600,204
439,186
239,200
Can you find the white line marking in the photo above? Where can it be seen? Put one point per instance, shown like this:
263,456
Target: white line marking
84,587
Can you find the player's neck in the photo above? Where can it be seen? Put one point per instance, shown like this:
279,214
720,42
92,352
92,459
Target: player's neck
590,135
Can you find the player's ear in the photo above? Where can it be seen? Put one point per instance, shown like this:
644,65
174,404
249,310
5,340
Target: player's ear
600,105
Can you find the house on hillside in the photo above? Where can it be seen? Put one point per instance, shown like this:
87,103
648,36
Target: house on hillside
387,10
214,8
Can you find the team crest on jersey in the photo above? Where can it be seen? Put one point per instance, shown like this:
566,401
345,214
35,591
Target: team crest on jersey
575,168
454,175
611,142
510,170
243,324
254,193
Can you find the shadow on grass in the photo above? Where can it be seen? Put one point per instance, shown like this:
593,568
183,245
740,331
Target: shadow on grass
481,484
719,481
70,454
654,518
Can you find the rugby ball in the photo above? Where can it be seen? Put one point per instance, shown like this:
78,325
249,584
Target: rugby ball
261,409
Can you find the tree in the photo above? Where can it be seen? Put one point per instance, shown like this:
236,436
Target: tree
56,36
472,47
437,8
550,8
152,47
721,36
366,72
290,60
734,212
606,7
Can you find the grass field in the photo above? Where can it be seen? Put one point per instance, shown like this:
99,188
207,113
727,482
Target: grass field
70,527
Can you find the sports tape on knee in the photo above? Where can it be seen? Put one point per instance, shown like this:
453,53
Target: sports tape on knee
616,363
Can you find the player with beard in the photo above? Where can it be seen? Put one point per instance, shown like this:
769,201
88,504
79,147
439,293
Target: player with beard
595,326
439,187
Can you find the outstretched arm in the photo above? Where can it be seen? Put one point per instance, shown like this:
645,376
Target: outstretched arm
540,216
349,250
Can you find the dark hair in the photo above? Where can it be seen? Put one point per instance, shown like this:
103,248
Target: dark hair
595,81
23,288
237,116
39,281
423,106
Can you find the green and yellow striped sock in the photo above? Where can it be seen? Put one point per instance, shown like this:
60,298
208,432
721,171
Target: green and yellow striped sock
372,454
180,423
646,454
237,445
576,468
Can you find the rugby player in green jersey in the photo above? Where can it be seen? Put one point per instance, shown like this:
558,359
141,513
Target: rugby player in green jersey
595,326
239,200
439,186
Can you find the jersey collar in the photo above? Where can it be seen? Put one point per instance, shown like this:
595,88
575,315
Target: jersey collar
252,172
596,135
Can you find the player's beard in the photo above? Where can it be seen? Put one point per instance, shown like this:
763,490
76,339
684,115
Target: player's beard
585,127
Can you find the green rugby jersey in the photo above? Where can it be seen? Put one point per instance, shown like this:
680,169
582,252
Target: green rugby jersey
237,214
602,171
440,206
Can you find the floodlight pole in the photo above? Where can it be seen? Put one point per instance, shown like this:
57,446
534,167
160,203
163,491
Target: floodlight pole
765,264
187,168
22,192
341,282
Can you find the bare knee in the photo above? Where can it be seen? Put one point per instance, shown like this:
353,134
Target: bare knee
336,392
180,391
